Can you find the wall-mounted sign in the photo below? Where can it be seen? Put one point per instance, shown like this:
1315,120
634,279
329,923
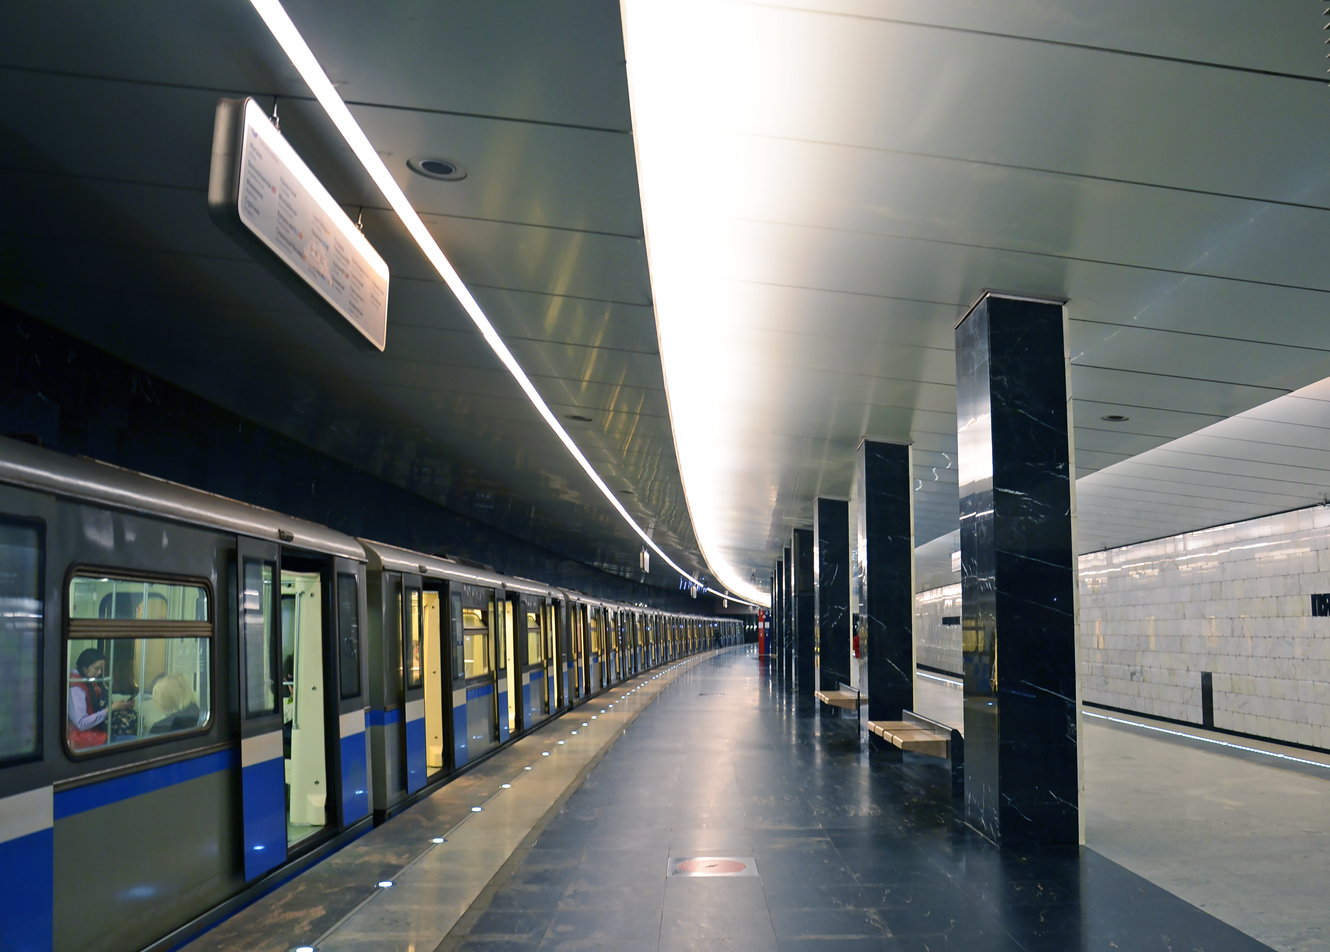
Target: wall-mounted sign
267,199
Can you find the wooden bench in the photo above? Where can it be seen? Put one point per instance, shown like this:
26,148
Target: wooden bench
920,735
848,700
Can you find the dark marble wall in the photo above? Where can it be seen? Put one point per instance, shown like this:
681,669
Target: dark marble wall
74,398
884,539
804,611
831,586
1018,579
777,613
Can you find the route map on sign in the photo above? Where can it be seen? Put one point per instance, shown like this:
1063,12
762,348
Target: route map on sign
287,209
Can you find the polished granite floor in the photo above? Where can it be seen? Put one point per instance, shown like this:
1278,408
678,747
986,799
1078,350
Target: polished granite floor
1235,826
852,851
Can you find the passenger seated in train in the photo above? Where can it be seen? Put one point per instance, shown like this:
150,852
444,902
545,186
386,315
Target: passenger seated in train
176,700
89,701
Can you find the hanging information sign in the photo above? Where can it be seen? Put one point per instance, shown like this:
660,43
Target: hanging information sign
267,199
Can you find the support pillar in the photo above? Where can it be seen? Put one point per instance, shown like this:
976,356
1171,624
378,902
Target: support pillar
777,613
1018,582
787,626
831,586
803,611
884,539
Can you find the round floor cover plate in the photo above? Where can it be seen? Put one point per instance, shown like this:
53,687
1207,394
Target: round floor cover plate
712,866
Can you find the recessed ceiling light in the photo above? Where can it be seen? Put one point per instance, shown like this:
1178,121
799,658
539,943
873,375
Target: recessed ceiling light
577,418
444,169
1115,418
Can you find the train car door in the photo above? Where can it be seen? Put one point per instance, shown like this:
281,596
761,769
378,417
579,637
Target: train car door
353,755
531,662
595,651
265,697
475,680
509,691
553,694
581,652
420,669
436,697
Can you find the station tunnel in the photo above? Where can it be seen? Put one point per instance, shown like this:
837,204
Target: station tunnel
628,475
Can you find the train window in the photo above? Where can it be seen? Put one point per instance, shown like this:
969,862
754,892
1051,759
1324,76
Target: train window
138,659
459,644
259,638
20,638
415,643
535,644
348,633
593,628
475,642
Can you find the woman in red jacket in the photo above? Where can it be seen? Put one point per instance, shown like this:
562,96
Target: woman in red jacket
88,701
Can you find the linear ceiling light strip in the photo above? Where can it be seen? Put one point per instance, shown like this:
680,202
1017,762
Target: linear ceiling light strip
286,34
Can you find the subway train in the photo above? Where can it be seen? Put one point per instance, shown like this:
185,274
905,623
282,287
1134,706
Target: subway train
202,697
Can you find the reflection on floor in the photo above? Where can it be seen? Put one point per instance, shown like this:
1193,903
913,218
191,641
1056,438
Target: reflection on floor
851,850
440,854
1240,834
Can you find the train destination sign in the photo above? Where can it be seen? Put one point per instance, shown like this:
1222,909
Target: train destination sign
267,199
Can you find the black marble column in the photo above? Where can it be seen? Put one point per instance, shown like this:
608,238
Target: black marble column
787,626
831,587
884,543
1018,619
777,613
803,611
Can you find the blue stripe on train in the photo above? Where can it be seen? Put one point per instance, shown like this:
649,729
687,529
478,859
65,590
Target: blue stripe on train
263,806
355,778
27,881
459,735
82,799
383,718
474,694
416,769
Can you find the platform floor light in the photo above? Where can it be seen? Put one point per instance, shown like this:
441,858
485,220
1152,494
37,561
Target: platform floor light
302,57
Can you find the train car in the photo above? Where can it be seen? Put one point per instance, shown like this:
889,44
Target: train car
202,697
183,710
461,658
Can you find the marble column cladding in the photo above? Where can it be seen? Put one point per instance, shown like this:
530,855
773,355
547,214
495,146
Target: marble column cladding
786,622
801,552
1018,620
777,612
831,590
884,539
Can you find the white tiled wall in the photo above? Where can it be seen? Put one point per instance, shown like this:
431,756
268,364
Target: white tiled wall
937,645
1234,601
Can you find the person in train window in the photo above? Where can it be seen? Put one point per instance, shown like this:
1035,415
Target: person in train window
177,702
88,701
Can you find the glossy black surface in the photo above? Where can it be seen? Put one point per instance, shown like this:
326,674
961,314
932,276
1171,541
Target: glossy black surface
803,611
884,574
786,614
852,851
77,399
776,648
831,586
1017,573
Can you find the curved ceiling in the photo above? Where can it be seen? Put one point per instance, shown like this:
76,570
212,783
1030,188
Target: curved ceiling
106,125
829,184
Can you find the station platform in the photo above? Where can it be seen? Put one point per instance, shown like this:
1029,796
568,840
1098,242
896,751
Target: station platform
708,809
